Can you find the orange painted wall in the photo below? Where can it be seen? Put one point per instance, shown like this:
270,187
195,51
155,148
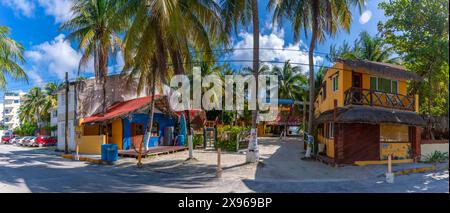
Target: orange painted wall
345,83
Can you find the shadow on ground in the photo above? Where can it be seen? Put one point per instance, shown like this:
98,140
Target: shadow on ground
284,171
40,172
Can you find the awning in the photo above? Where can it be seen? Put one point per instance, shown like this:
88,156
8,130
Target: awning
122,109
292,120
371,115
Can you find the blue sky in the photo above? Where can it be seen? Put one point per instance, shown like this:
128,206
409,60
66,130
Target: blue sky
35,23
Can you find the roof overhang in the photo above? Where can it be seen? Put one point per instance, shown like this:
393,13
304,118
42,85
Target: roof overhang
371,115
381,69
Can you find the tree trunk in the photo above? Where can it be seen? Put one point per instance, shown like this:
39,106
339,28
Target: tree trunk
253,153
304,113
311,68
429,122
149,126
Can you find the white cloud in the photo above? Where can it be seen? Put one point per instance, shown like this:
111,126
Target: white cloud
35,77
54,58
365,17
20,7
280,51
59,9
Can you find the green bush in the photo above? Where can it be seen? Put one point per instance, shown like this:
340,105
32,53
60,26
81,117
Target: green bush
436,157
25,129
229,143
197,140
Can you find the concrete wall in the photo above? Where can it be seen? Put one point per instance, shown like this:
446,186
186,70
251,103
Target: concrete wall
430,146
91,144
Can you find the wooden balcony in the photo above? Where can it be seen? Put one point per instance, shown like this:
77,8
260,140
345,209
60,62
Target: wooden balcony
358,96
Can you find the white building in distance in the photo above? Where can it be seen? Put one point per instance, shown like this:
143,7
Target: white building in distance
11,104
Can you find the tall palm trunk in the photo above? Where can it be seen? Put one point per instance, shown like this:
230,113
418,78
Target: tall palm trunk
252,154
304,113
149,127
311,66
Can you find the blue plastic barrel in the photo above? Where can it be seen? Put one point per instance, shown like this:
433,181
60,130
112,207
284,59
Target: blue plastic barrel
180,140
104,153
112,153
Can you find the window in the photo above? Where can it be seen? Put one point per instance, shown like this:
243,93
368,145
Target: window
16,101
335,83
324,91
330,130
384,85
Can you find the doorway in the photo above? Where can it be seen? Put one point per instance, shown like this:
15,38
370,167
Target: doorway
357,87
137,134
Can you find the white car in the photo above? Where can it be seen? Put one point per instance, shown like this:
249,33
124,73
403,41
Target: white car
15,140
31,141
22,140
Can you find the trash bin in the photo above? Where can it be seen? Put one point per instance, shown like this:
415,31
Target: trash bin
180,140
112,153
109,152
104,148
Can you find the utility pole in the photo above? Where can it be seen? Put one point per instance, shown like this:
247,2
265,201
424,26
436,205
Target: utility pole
66,125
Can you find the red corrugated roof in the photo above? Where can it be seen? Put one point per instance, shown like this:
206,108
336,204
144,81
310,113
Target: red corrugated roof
280,120
120,109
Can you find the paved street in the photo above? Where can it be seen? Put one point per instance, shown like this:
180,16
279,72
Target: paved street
25,169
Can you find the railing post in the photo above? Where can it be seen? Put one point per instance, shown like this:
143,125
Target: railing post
371,98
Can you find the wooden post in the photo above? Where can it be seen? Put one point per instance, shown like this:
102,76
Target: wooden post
66,122
389,174
219,167
371,98
390,163
334,110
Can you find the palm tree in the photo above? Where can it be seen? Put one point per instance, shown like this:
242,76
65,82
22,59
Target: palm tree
96,28
367,47
32,108
50,99
322,18
162,34
10,56
290,81
240,12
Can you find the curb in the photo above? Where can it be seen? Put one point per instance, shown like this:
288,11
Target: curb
415,170
87,159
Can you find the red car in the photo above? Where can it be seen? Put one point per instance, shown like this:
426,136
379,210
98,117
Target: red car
46,141
6,139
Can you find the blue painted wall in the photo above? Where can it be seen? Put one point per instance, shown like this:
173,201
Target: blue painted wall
163,121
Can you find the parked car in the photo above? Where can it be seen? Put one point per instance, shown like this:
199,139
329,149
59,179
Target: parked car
15,140
45,141
29,141
22,140
6,139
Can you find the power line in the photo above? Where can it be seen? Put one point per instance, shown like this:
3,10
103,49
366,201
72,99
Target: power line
261,48
48,80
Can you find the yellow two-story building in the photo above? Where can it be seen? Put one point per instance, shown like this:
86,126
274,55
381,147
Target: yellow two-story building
363,113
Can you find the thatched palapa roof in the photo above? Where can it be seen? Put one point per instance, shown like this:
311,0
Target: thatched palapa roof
381,69
371,115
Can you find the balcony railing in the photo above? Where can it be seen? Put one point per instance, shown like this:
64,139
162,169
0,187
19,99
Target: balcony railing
358,96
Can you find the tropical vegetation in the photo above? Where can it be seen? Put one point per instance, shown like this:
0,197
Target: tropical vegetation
418,32
11,55
367,47
37,105
321,19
